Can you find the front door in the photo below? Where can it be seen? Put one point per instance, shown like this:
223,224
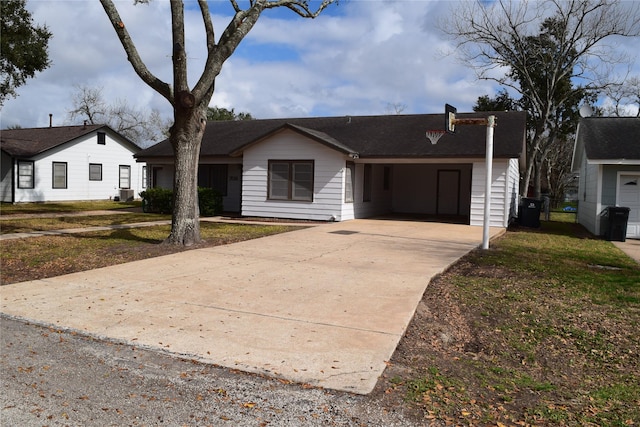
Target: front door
629,196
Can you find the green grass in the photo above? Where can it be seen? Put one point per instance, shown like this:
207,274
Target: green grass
38,208
556,316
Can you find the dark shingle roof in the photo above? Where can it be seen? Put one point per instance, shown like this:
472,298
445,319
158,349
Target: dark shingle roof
391,136
29,142
610,137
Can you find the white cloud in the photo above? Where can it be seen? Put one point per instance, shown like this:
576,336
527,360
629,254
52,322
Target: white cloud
358,58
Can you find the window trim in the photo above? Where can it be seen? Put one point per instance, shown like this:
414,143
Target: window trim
31,175
349,182
100,166
53,175
120,168
290,180
144,176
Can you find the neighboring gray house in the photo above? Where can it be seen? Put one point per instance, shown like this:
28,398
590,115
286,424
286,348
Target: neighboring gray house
607,157
65,163
341,168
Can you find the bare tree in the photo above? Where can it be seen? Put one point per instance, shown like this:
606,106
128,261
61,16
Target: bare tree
395,108
190,102
498,39
141,127
625,99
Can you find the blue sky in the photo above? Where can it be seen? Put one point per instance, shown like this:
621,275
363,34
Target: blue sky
361,57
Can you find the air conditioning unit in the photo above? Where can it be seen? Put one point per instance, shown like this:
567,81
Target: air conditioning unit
126,194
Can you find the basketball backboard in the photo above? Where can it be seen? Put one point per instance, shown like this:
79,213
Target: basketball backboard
449,118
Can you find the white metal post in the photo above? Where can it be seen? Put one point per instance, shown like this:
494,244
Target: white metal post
491,120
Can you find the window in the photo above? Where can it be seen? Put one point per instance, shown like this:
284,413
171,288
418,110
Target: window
102,139
291,180
213,176
125,176
95,172
349,181
366,190
25,174
59,175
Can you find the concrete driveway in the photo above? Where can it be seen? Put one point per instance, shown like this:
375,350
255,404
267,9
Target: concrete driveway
326,305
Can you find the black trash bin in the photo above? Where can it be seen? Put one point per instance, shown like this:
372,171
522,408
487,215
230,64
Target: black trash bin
530,212
617,219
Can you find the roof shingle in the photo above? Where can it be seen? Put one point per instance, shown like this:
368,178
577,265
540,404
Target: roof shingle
610,137
391,136
29,142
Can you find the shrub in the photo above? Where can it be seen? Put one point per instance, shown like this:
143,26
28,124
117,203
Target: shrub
157,200
160,200
210,201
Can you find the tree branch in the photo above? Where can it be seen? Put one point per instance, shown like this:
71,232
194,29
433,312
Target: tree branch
242,22
139,67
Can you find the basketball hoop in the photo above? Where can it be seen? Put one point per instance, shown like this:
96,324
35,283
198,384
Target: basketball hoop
435,135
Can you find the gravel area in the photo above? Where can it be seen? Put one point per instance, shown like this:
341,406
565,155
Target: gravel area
59,378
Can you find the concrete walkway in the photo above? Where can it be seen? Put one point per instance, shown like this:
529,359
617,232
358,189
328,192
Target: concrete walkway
325,305
631,247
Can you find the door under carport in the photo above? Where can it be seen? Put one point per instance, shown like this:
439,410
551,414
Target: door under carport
439,190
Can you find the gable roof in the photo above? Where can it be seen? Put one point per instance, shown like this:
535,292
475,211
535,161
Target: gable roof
390,136
607,140
315,135
29,142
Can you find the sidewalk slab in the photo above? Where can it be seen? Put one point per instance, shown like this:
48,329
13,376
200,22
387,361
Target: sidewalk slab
631,247
325,305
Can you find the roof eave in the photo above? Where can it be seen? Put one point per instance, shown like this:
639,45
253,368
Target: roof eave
632,162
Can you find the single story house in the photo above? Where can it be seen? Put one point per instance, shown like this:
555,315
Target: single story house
607,157
68,163
341,168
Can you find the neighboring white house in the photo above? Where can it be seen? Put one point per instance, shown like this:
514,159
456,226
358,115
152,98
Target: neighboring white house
341,168
67,163
607,157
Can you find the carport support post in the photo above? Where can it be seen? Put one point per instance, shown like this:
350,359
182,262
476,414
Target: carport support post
491,122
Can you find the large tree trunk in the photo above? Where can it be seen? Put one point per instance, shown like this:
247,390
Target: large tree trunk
186,138
190,105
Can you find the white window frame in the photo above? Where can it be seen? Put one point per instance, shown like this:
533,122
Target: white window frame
124,179
93,174
288,183
26,180
59,175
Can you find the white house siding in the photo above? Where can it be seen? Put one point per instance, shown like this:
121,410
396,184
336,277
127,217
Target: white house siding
161,175
589,206
381,200
328,192
499,189
78,154
5,174
512,191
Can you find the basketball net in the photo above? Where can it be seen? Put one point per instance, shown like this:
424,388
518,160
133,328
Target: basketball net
435,135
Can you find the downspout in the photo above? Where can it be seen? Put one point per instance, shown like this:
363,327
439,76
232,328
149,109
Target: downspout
13,180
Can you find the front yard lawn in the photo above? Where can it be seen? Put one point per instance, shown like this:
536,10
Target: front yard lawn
542,329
